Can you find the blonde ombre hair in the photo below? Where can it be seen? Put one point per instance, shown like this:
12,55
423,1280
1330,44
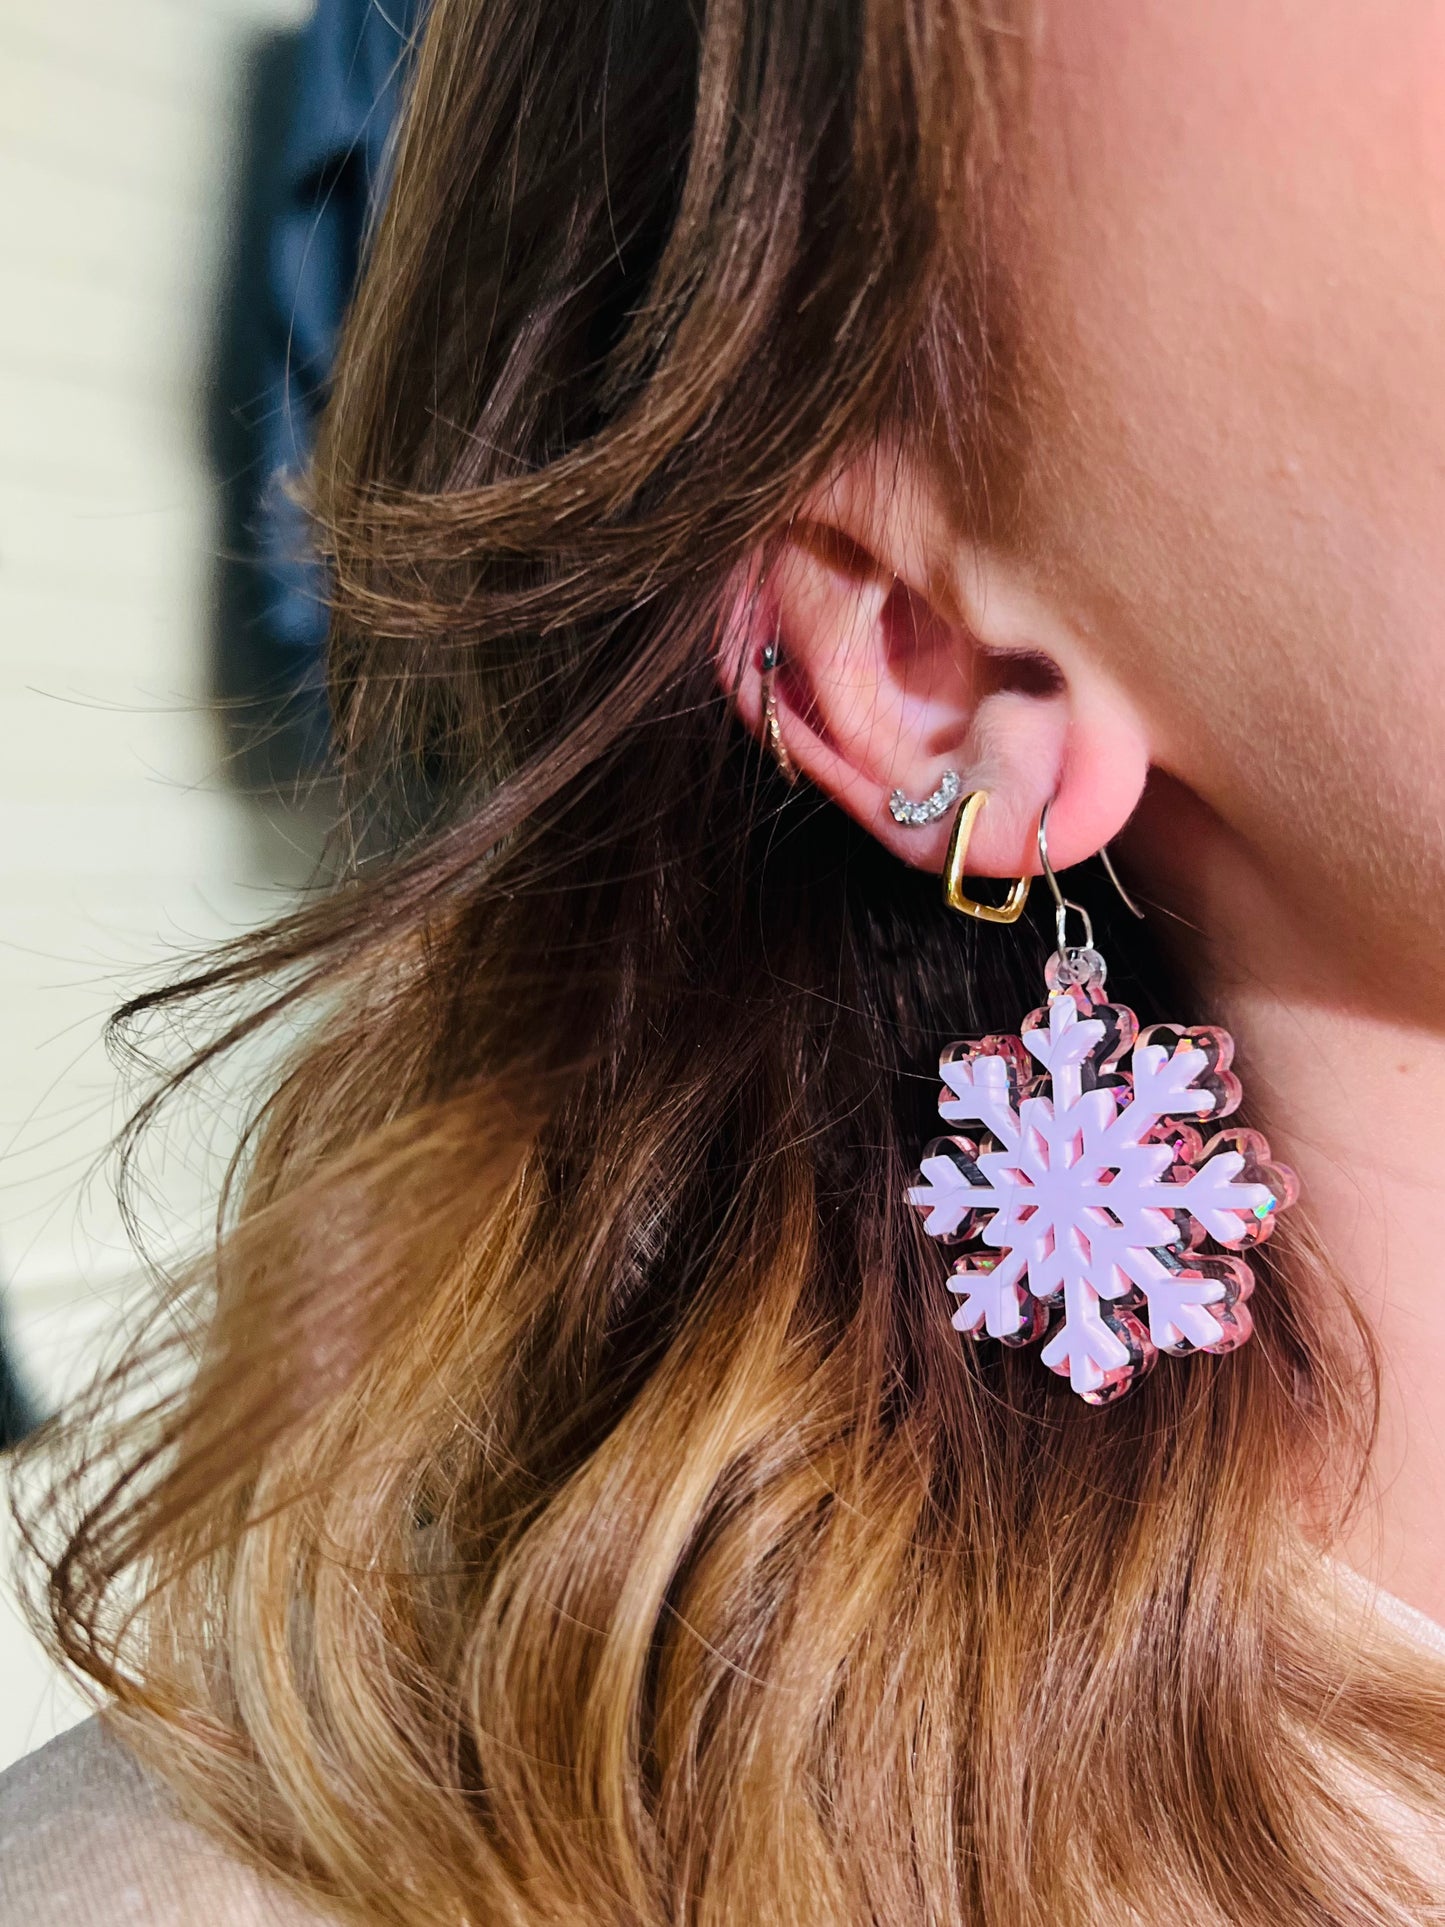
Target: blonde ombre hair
581,1508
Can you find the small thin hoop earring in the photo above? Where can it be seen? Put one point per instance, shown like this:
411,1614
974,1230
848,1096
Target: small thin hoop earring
772,655
954,894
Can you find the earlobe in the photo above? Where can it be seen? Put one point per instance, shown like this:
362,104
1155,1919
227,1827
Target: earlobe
882,649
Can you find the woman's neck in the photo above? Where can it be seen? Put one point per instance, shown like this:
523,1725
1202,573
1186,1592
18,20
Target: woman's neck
1354,1099
1357,1105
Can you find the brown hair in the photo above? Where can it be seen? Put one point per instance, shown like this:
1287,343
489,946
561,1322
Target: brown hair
581,1508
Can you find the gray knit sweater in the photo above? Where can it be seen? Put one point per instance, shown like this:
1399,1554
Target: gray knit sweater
89,1839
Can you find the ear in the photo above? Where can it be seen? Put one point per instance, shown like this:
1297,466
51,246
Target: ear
906,648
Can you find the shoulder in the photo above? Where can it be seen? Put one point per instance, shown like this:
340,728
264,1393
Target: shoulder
90,1839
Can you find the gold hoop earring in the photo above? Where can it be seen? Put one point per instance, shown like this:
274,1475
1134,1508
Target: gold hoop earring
954,894
771,657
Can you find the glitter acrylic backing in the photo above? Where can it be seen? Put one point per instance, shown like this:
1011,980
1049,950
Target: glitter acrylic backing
1090,1209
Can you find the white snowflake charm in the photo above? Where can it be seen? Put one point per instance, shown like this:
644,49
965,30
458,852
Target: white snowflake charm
1089,1205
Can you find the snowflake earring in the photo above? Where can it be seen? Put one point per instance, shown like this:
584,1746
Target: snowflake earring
1089,1208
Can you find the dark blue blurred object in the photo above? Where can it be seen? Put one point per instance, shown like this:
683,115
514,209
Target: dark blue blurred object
333,167
321,106
18,1416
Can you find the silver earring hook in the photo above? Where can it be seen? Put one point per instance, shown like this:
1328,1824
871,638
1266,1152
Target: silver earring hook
1113,876
1062,904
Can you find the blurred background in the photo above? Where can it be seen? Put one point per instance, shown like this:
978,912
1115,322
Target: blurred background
183,189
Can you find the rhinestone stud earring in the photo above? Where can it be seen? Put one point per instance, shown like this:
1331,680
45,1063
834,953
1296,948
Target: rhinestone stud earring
915,815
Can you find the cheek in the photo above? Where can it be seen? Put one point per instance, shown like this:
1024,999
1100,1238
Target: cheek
1234,284
1429,116
1256,178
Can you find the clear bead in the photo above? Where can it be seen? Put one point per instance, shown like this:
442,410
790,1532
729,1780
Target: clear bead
1075,970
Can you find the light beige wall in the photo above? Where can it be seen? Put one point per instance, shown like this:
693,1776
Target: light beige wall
120,841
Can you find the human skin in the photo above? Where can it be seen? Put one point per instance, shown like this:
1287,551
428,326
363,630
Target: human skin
1234,291
1227,242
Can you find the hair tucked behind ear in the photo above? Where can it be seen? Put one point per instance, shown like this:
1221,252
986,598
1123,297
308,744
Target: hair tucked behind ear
581,1509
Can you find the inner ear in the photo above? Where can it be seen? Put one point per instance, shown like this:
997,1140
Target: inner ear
926,653
925,656
916,633
1019,672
